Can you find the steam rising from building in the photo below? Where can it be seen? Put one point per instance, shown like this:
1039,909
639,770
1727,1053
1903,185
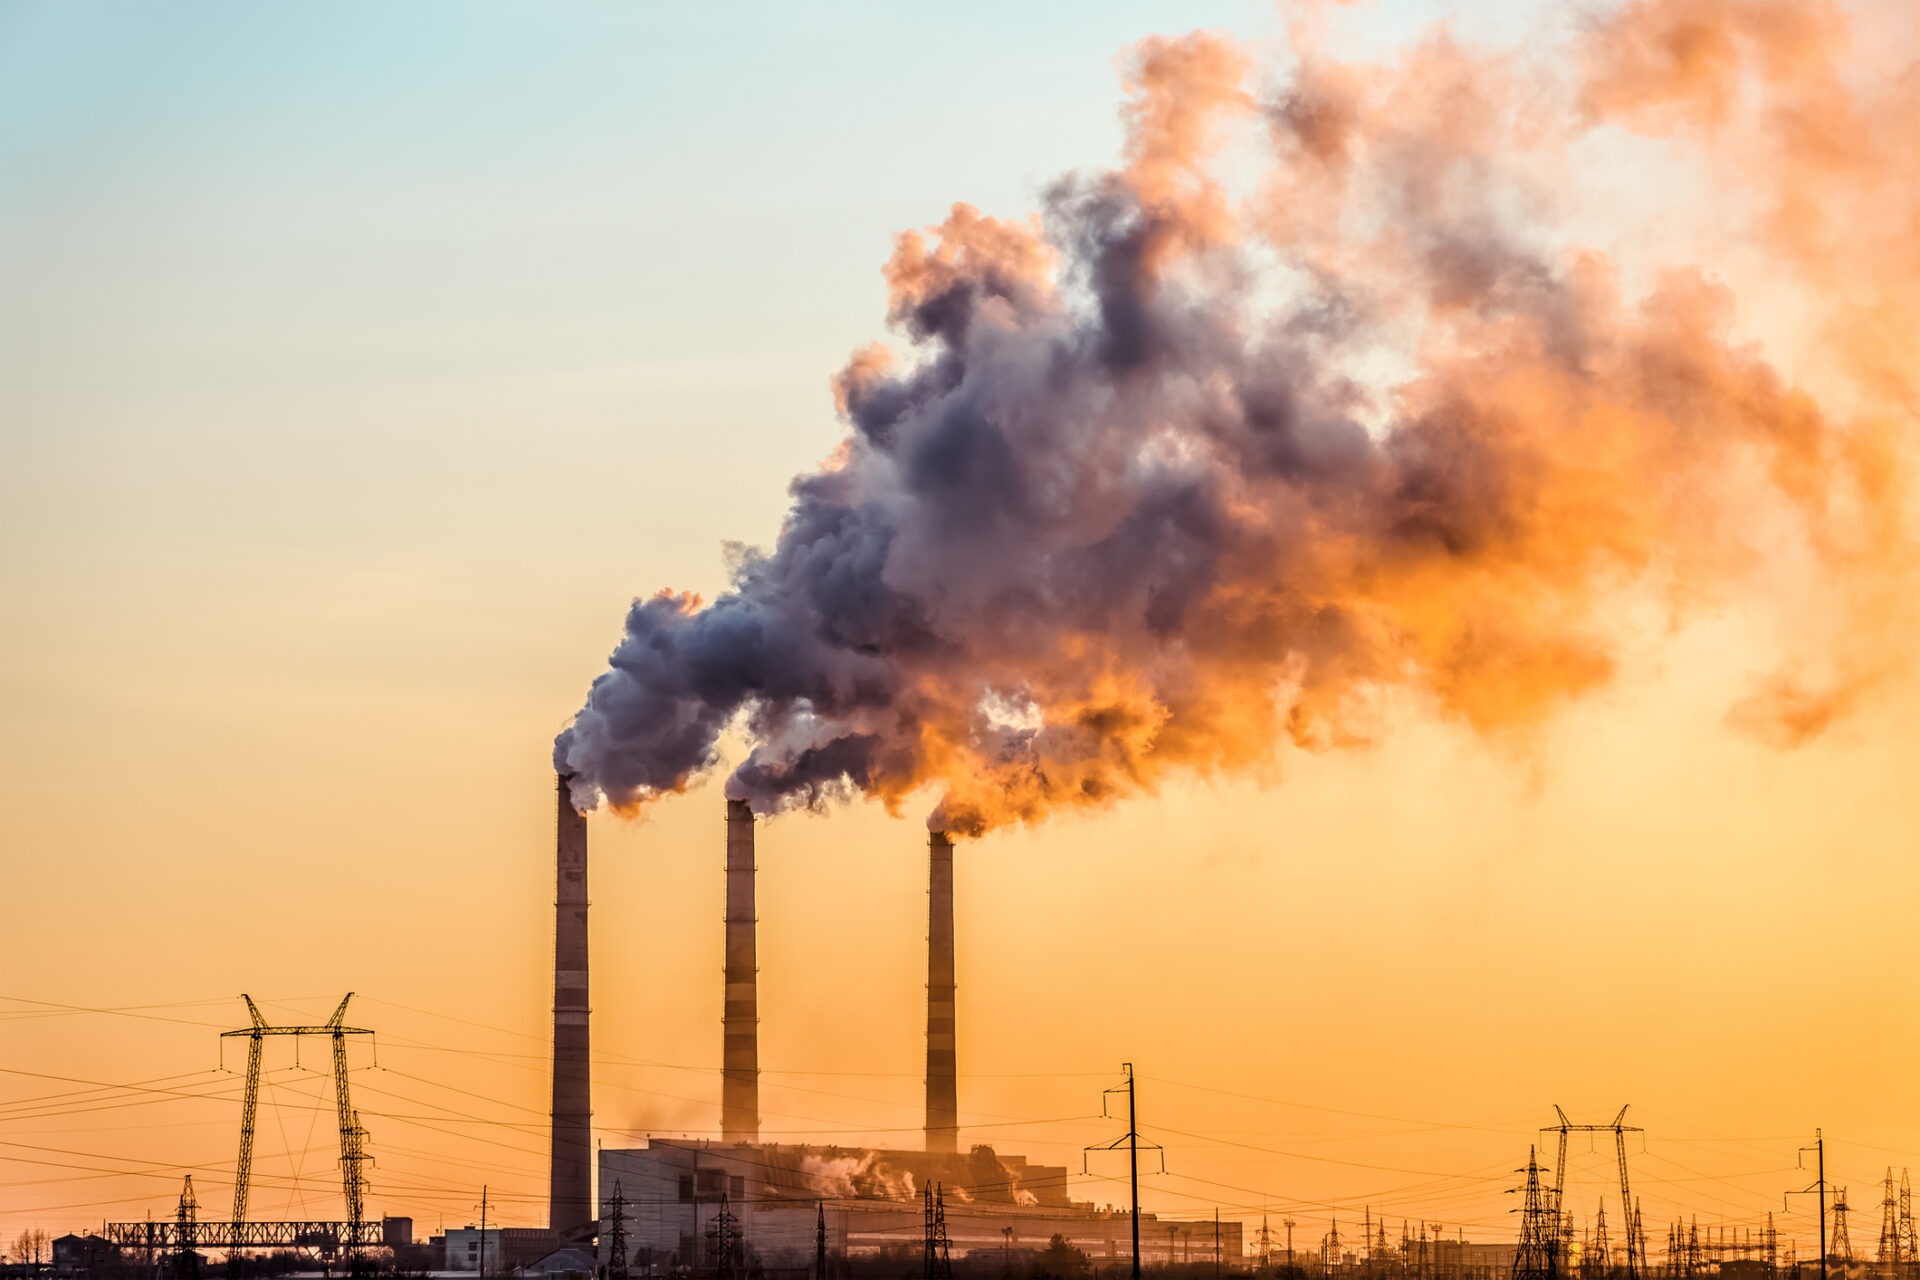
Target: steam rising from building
856,1173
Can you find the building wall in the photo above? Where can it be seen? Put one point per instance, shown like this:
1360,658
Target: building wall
1189,1240
464,1249
1471,1261
506,1247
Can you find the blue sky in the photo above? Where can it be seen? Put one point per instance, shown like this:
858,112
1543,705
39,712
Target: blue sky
341,205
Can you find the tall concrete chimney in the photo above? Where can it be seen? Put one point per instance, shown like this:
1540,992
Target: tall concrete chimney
570,1189
943,1099
740,1050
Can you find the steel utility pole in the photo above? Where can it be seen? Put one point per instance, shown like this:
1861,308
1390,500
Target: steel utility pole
1819,1188
1820,1158
1131,1138
1133,1169
483,1231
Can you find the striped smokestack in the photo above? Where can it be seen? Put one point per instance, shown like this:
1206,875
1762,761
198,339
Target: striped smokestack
943,1101
570,1189
740,1052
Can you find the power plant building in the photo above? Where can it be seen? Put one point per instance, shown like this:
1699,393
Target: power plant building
673,1192
684,1202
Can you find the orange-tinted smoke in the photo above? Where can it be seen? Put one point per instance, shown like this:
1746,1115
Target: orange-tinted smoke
1202,460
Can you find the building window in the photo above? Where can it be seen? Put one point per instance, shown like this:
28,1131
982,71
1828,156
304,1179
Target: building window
686,1188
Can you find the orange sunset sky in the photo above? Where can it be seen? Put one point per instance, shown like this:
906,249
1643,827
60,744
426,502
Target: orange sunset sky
357,372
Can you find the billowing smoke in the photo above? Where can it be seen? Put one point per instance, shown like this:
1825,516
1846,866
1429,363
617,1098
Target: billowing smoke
866,1174
993,1178
1340,387
977,1175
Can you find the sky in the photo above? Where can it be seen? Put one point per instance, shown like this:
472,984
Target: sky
359,366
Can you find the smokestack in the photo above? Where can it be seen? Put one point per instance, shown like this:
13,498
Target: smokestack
943,1100
570,1189
740,1057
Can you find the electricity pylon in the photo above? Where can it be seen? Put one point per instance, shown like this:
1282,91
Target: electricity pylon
1909,1244
727,1250
185,1260
937,1260
1537,1258
1888,1254
1842,1247
1636,1247
616,1236
352,1136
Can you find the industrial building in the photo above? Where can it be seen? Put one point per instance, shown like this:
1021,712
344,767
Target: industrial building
683,1203
781,1196
497,1250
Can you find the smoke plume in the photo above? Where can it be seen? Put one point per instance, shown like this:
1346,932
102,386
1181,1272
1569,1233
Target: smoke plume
866,1174
1331,390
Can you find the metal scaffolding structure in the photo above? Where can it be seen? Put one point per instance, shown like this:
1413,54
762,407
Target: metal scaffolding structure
165,1236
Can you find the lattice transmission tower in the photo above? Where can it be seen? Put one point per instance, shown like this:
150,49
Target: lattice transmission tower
1889,1253
1842,1249
1538,1257
1636,1245
186,1262
726,1242
352,1137
617,1235
937,1258
1909,1244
